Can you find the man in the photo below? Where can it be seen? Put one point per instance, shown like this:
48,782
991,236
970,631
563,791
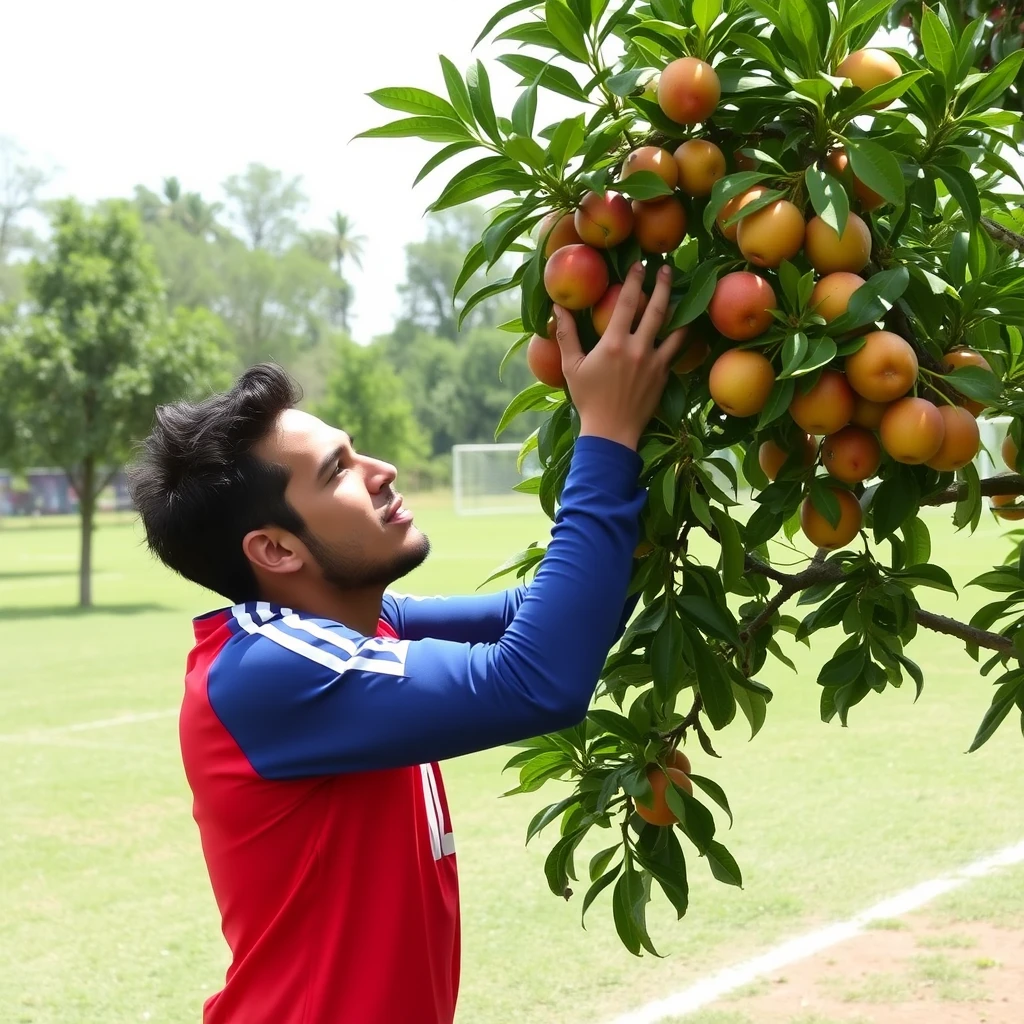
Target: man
317,705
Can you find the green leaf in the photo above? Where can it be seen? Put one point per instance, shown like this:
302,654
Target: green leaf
626,82
937,45
926,575
713,619
723,865
1002,702
489,291
475,259
996,82
550,76
548,814
622,905
820,352
536,396
872,300
705,12
457,91
479,85
728,188
565,27
976,382
440,157
753,706
884,94
643,185
616,724
963,188
715,688
697,298
715,791
524,116
667,657
599,886
733,555
506,12
877,168
968,511
893,503
828,197
565,141
778,402
413,101
430,128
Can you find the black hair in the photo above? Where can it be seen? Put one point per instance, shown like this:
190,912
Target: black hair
199,488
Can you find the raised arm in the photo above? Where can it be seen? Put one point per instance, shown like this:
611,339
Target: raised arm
469,618
308,696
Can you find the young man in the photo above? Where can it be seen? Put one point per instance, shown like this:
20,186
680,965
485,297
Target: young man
317,705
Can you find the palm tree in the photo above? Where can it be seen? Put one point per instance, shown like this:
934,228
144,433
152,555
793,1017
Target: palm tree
347,246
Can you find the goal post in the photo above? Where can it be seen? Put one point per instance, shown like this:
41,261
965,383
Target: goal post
484,477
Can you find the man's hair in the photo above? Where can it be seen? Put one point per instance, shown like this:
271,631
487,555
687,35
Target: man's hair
200,489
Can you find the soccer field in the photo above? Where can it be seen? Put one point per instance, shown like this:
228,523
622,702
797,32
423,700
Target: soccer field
107,913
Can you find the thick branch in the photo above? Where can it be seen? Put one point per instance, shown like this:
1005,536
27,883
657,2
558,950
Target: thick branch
952,627
1008,484
1004,235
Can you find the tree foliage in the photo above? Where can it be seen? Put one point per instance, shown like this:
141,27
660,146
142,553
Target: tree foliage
96,354
936,148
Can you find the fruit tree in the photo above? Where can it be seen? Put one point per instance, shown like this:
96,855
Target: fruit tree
839,217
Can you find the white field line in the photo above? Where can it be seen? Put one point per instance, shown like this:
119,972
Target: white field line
712,989
103,723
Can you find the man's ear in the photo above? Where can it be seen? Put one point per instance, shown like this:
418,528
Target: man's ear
273,550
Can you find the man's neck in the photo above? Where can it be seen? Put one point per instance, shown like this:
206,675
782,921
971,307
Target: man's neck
357,609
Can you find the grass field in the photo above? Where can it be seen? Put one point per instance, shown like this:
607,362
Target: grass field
107,913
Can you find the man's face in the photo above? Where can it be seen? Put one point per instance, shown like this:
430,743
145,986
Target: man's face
347,503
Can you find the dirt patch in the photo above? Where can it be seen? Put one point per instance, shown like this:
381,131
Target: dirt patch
918,970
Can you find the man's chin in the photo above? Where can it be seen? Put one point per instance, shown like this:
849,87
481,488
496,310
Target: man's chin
414,554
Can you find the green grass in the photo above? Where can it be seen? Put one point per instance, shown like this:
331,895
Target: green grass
107,910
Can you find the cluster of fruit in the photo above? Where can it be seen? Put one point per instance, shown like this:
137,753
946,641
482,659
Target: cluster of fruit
861,406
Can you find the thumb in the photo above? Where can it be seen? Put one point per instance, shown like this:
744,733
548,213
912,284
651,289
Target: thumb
568,339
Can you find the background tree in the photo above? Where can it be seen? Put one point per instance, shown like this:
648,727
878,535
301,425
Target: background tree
85,370
20,184
832,216
365,397
265,205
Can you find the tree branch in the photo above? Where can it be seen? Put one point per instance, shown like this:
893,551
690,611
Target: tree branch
952,627
832,572
789,586
1011,483
1004,235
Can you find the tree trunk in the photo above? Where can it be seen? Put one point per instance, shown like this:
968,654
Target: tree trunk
86,509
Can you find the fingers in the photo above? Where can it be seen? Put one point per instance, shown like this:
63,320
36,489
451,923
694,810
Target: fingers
620,323
654,315
568,340
668,351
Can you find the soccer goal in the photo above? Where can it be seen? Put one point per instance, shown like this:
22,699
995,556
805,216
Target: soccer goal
484,477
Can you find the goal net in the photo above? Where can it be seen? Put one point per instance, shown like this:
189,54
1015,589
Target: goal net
484,477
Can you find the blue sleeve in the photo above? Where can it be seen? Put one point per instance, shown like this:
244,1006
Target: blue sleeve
310,697
472,619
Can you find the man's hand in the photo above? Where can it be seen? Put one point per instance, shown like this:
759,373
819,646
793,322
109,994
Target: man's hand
617,385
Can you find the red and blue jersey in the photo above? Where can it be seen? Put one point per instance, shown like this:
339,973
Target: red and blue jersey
312,753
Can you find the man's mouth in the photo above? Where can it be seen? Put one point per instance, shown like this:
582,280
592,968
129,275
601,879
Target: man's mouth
397,513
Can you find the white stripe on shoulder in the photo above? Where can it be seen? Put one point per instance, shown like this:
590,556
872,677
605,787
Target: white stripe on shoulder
393,666
415,597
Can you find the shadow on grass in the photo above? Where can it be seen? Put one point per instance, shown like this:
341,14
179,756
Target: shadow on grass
28,574
64,611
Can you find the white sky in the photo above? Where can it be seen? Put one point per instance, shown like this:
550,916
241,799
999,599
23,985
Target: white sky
114,93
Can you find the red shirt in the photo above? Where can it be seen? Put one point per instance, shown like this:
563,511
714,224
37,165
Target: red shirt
338,893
